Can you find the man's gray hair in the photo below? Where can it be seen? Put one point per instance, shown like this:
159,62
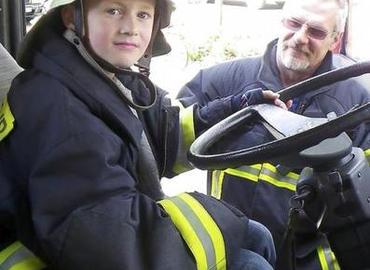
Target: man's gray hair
341,15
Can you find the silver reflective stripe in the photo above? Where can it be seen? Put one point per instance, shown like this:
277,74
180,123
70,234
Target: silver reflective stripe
265,172
250,173
17,256
216,183
277,176
270,174
199,228
247,172
327,257
330,258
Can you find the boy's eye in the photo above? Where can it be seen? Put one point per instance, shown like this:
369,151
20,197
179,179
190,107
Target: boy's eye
144,15
114,11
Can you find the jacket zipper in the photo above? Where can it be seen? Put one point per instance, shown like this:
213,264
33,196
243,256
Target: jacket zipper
301,107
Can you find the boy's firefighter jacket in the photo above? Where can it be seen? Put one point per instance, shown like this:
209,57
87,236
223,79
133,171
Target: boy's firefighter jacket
70,157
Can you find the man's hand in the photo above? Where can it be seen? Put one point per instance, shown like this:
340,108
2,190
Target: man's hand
268,95
258,96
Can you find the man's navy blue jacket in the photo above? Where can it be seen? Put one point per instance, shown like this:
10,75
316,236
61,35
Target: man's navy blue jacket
261,191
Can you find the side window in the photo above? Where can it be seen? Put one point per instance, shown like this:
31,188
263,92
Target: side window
12,27
33,10
357,40
16,18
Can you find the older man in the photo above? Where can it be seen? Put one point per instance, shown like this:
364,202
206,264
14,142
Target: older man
310,30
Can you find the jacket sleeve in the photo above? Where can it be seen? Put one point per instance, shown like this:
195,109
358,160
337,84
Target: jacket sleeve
216,82
221,90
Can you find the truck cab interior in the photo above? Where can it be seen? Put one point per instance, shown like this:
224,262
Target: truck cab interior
13,28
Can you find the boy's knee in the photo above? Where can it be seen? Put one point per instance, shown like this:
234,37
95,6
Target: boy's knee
258,231
250,260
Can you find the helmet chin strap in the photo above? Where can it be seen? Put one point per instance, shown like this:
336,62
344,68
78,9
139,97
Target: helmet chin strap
75,40
79,18
80,40
100,61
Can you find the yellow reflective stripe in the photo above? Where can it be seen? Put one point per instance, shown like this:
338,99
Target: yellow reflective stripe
323,263
334,261
250,172
367,155
5,253
327,258
199,231
32,263
187,125
247,172
211,227
6,119
291,176
217,179
187,137
270,174
18,257
265,172
187,232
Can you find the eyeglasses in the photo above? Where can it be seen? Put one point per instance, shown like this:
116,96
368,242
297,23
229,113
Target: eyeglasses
312,32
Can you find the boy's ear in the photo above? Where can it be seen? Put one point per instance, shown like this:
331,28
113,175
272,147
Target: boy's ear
67,14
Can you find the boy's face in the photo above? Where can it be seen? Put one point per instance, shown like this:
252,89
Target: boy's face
119,31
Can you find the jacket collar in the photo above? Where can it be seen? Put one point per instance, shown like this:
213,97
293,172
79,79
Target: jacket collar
269,73
59,59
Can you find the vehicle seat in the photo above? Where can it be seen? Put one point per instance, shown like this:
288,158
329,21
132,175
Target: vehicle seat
8,70
12,255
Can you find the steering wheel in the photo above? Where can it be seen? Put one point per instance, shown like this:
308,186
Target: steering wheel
302,132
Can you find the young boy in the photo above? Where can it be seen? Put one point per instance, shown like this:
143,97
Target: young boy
88,139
